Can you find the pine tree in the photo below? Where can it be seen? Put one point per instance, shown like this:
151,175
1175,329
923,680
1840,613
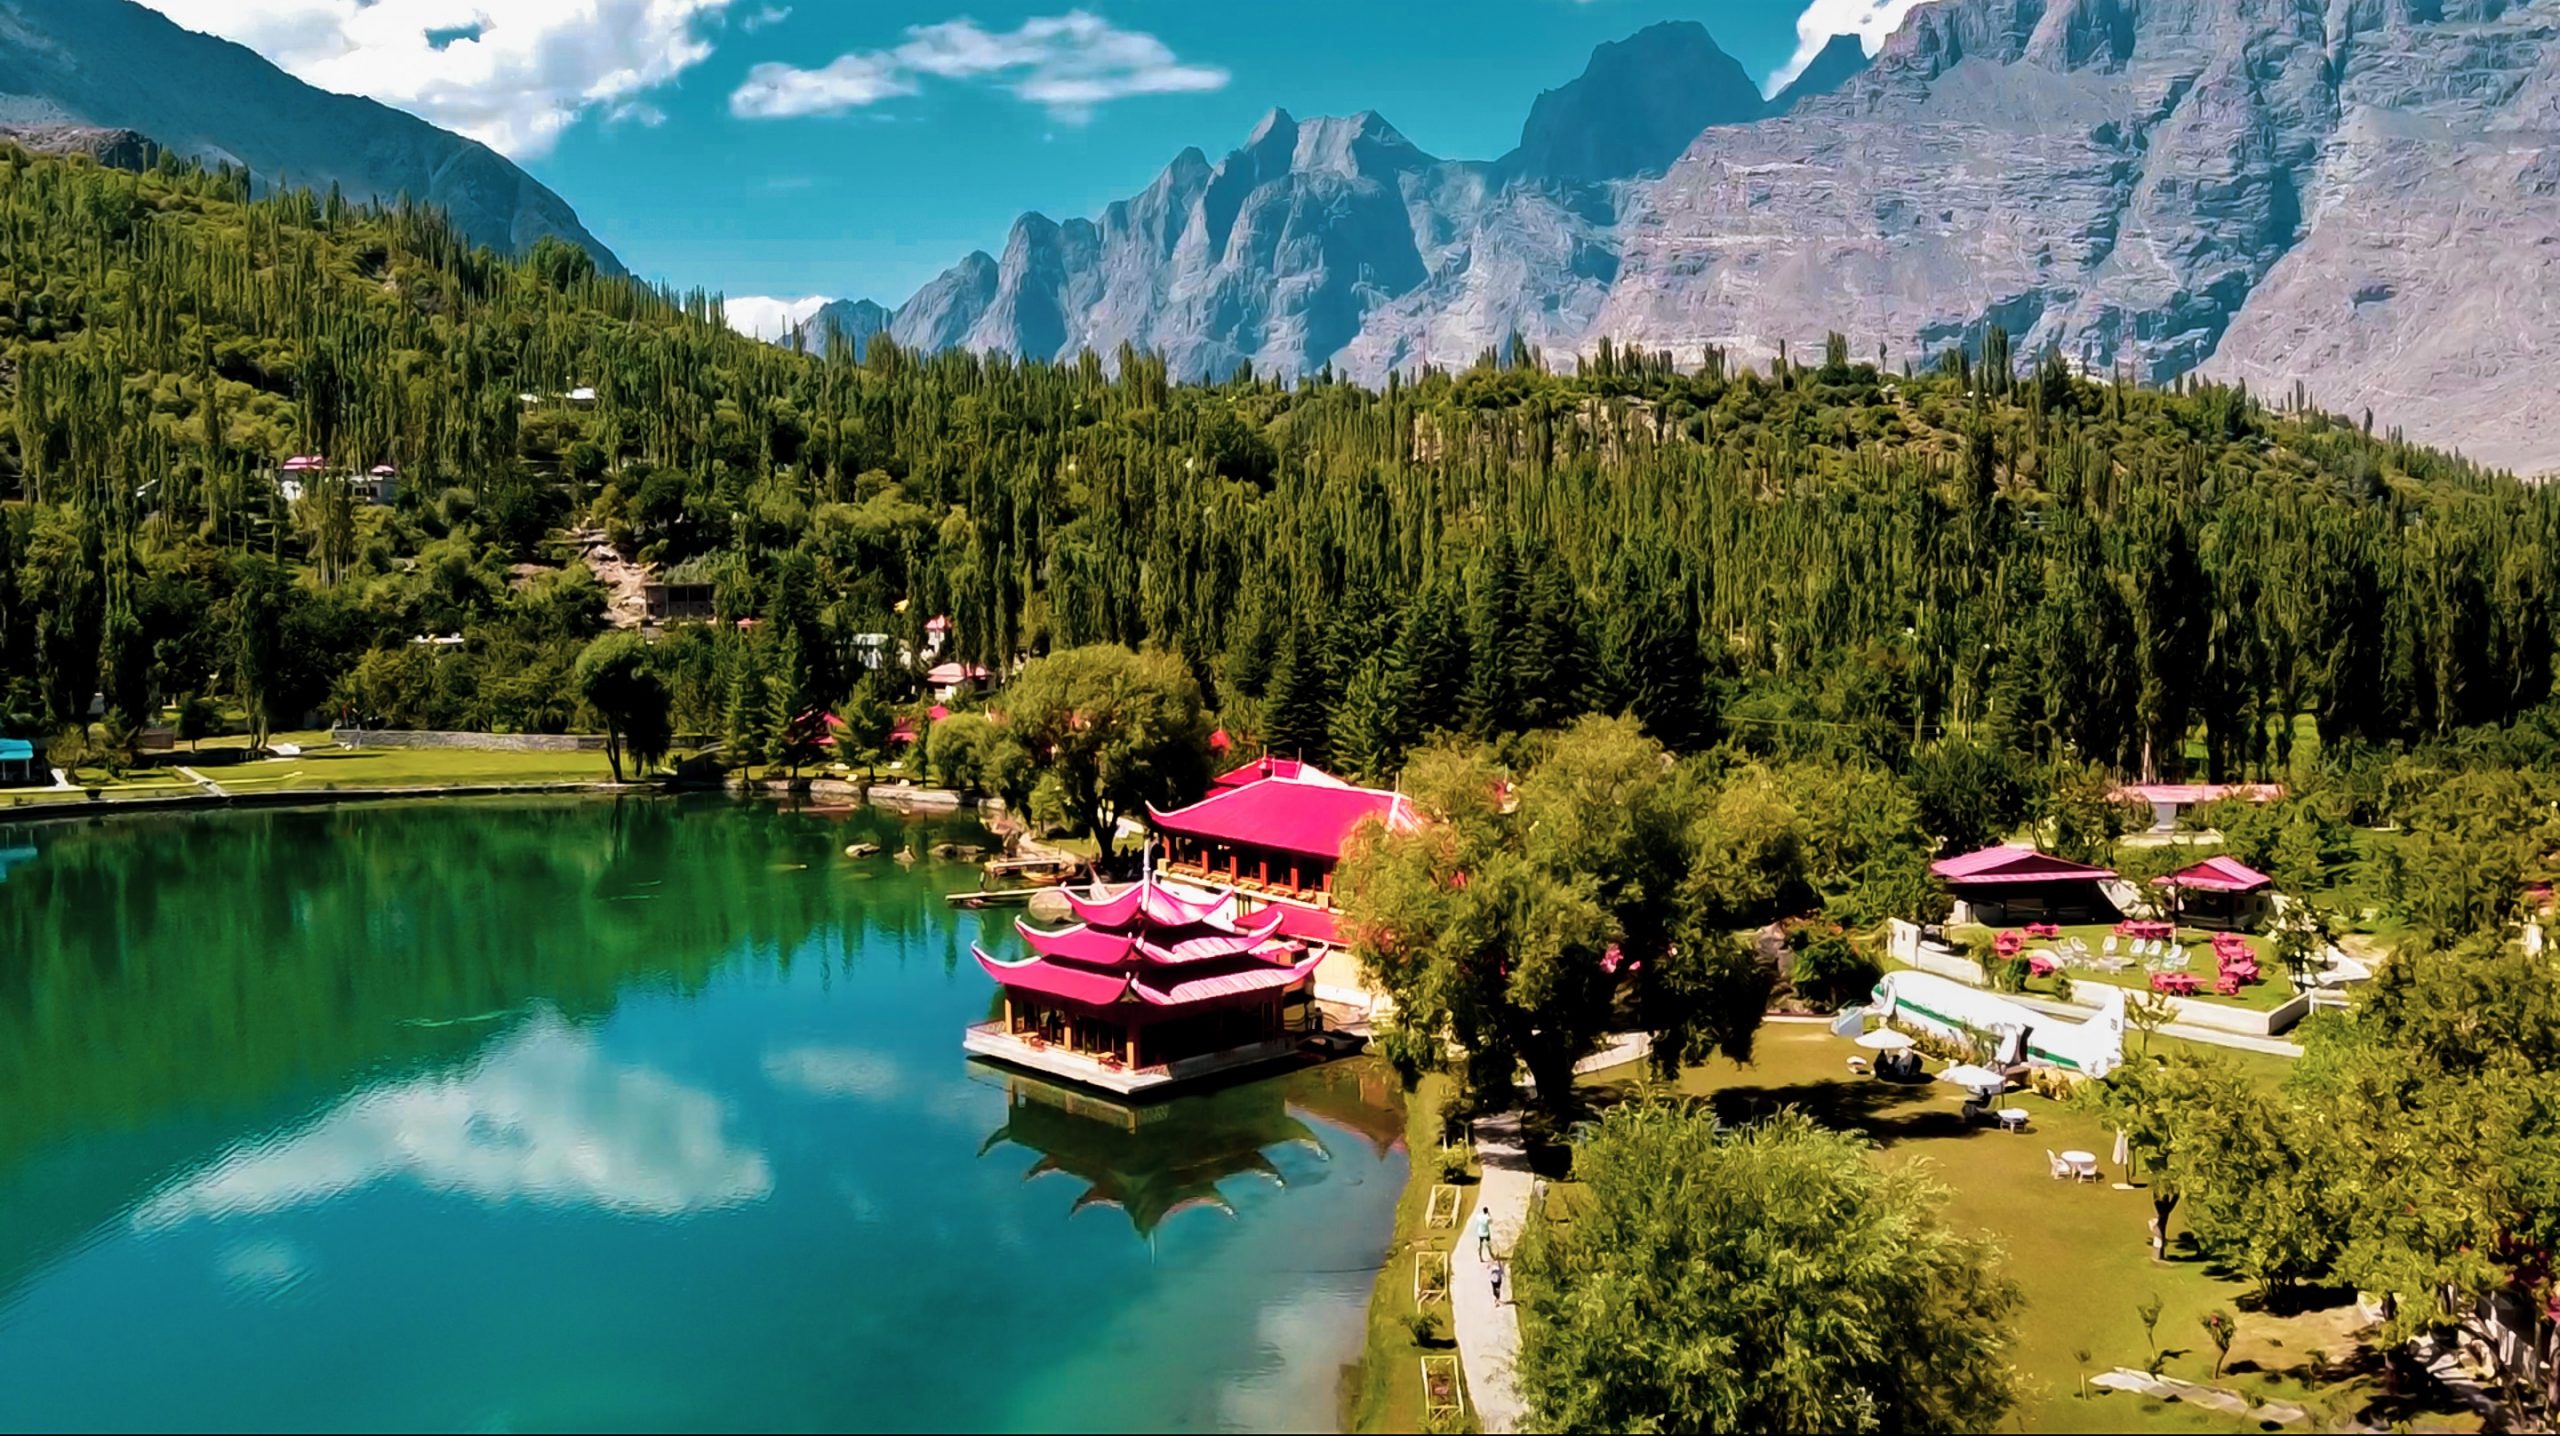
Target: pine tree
749,711
1297,718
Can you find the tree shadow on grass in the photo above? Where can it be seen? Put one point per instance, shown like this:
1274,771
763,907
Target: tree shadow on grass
1867,1107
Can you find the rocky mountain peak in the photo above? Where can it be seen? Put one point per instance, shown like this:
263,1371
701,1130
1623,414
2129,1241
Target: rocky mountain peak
1840,60
2276,190
1636,106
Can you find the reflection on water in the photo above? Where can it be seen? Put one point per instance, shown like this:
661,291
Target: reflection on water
613,1114
1150,1161
542,1117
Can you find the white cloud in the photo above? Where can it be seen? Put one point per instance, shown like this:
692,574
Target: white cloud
1068,63
1869,20
777,92
513,75
542,1118
769,15
760,316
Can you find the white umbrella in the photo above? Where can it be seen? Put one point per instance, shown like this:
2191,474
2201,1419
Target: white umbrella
1975,1078
1884,1039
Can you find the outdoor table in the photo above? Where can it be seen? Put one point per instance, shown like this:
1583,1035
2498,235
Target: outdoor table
2043,929
2012,1119
2180,983
2083,1164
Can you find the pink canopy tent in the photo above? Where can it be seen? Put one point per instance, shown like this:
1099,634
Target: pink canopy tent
2217,875
2016,883
2014,863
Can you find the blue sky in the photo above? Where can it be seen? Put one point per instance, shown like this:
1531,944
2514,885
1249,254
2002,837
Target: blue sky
844,148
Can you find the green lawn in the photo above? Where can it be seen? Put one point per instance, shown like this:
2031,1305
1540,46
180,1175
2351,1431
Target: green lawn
1385,1394
2078,1250
331,767
322,765
2264,996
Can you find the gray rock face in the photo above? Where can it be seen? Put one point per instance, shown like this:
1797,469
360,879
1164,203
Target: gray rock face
849,322
1636,106
1837,63
116,149
2360,195
116,65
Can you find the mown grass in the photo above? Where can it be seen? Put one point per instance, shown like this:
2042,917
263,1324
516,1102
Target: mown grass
1385,1392
2079,1251
2271,992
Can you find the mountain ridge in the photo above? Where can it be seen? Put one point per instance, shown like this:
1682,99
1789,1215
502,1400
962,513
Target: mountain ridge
2194,186
108,64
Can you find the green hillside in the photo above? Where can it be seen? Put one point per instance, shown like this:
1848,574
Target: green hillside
1839,553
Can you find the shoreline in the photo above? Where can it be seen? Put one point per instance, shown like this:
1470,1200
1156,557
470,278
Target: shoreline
898,798
65,812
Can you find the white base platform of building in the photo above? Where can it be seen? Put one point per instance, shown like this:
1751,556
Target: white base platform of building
990,1040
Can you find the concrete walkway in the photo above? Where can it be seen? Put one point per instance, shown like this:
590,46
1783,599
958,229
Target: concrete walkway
1489,1334
201,781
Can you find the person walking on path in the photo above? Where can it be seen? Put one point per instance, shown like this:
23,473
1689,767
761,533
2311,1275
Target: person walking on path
1484,1233
1497,1283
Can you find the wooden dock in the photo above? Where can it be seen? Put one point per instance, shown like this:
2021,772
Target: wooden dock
994,897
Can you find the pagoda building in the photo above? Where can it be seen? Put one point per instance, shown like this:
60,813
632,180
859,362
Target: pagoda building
1278,834
1154,984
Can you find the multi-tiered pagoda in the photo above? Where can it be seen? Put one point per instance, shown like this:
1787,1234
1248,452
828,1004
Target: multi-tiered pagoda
1153,984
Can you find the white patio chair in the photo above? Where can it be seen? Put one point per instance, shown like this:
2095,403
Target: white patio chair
2110,948
2086,1171
2060,1168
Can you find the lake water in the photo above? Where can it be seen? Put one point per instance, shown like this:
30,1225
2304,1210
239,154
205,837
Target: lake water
636,1114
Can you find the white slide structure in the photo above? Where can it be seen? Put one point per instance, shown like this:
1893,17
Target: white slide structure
2009,1031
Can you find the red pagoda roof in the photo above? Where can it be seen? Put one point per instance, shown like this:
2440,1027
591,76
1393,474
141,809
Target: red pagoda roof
1262,977
1057,979
2016,863
1270,767
1290,815
1299,923
1187,943
1156,943
1168,904
2218,875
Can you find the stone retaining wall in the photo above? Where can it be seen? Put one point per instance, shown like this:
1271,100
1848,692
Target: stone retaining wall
483,742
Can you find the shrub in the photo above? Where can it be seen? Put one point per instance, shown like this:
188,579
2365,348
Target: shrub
1453,1164
1424,1326
1829,970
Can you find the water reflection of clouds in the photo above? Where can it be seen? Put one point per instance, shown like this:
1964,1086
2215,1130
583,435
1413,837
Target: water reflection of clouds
834,1072
268,1268
543,1118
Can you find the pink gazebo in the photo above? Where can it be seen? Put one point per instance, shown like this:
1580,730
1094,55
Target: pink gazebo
2015,883
2218,892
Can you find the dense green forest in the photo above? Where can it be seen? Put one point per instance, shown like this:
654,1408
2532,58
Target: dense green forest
1851,557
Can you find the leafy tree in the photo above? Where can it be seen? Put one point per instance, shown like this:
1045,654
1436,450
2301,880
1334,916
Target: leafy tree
198,719
1973,795
260,596
2440,1094
1512,931
1120,730
614,677
2082,818
866,720
1827,968
1770,1278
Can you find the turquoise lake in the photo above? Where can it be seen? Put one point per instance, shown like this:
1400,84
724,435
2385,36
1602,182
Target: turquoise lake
638,1114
